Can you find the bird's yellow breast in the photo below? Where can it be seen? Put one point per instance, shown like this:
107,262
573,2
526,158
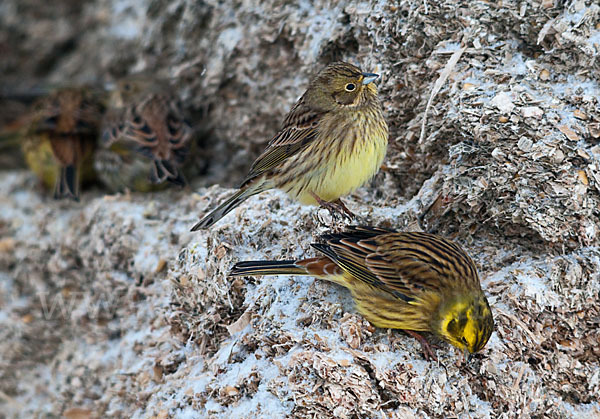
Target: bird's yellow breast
348,152
40,159
384,310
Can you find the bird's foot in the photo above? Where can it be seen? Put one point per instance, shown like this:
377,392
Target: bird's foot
425,346
335,207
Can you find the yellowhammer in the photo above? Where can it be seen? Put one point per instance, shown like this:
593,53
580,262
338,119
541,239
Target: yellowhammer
333,140
60,136
145,138
417,282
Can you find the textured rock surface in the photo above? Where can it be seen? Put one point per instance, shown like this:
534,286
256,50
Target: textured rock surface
111,307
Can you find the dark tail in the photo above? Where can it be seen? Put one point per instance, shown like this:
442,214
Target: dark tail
268,267
222,210
67,184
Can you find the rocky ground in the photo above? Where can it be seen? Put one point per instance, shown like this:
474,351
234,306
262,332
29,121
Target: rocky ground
111,307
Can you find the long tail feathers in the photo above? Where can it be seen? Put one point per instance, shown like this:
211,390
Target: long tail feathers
67,184
222,210
268,267
320,267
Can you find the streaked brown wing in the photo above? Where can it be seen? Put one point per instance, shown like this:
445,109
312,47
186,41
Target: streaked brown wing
299,129
403,264
88,118
350,251
156,121
45,115
415,262
178,130
68,111
66,149
113,126
130,127
144,125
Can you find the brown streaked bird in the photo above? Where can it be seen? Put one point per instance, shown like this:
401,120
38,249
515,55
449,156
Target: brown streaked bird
332,141
417,282
145,138
60,137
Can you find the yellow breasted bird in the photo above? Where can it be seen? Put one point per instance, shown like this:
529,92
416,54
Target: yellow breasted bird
60,136
332,141
145,138
417,282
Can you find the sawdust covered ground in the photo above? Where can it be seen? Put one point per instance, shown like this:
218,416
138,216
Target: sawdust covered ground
111,307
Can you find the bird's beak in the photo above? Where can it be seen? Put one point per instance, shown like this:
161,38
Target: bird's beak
468,355
369,78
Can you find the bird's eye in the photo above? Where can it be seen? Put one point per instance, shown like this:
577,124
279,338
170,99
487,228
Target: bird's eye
350,87
464,340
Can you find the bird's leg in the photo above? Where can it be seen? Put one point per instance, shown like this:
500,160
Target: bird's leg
425,346
334,207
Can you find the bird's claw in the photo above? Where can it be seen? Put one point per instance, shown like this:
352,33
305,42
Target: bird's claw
335,207
426,347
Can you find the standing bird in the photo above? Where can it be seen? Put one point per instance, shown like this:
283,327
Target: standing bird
417,282
60,137
145,138
333,140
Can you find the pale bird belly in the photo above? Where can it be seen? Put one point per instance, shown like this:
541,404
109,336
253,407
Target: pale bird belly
343,158
347,172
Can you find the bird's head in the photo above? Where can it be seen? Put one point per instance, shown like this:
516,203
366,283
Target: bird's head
341,84
466,322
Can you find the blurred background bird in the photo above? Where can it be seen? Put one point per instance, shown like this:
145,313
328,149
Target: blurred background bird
60,133
417,282
15,104
332,141
145,138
